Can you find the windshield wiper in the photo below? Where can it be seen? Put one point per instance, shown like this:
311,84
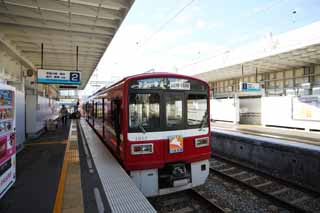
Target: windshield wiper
141,127
204,121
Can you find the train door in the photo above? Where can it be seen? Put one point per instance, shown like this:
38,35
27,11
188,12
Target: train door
116,118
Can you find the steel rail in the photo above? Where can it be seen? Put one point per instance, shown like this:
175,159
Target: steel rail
256,190
212,205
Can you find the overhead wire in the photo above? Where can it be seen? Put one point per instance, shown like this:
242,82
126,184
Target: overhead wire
161,27
269,6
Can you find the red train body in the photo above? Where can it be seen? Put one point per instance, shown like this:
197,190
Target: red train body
157,125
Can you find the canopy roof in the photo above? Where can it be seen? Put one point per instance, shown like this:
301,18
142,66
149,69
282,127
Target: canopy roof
61,25
290,50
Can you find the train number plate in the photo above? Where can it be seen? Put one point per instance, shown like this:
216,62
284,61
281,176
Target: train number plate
175,144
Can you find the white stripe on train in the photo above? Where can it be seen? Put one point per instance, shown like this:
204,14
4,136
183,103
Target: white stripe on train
148,136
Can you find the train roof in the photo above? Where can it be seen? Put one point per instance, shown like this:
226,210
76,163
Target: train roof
146,75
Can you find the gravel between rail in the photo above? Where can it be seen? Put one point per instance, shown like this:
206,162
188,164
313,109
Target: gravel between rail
282,195
184,202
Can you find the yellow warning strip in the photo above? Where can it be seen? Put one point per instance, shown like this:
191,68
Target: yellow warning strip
45,143
59,195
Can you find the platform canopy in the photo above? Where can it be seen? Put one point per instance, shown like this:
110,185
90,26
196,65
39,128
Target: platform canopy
295,49
61,25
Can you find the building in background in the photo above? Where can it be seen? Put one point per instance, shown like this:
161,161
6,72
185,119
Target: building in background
274,81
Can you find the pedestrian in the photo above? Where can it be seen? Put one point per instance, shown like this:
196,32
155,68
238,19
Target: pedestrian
63,114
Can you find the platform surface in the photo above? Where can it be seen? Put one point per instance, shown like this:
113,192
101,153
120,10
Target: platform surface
121,192
38,171
293,135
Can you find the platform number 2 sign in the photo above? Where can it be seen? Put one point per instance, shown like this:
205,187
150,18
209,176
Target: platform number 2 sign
74,76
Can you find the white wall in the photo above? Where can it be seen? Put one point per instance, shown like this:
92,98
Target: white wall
226,109
250,110
20,117
250,105
37,116
277,111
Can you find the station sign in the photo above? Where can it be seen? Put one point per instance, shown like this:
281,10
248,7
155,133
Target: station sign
59,77
249,87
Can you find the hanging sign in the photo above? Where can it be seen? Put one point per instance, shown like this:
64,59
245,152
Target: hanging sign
59,77
249,87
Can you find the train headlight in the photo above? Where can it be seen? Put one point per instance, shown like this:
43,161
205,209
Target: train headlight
141,149
201,142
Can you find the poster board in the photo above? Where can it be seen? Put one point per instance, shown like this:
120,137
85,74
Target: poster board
306,108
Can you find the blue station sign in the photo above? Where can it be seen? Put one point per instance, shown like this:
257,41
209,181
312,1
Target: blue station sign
249,87
59,77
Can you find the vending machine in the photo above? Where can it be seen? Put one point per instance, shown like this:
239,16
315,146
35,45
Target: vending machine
7,138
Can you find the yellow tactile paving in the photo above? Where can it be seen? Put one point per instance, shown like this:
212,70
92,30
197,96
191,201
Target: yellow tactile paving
69,194
73,156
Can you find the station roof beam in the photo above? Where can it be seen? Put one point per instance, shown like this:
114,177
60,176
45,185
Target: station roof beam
61,25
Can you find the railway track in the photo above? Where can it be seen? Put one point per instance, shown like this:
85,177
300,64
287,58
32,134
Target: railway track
185,202
213,206
287,195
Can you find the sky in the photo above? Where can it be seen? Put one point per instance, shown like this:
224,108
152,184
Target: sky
169,35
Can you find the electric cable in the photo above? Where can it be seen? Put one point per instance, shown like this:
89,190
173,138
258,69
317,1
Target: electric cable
164,24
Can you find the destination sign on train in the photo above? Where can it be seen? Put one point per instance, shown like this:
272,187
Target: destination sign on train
168,83
59,77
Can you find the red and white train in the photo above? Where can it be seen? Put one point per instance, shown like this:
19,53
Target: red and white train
157,125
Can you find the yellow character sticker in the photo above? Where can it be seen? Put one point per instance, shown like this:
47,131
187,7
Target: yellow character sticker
175,144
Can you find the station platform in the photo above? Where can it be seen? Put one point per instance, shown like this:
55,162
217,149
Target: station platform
294,135
70,170
38,169
291,155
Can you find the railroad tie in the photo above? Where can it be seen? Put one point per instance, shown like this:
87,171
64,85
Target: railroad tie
280,191
263,184
298,200
219,165
227,169
184,210
249,178
238,174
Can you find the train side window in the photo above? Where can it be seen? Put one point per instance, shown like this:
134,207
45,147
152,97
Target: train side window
96,110
116,115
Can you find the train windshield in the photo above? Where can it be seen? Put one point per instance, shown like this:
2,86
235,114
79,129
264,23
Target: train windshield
174,105
160,104
144,111
197,109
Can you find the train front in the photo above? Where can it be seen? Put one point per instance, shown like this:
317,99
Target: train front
168,140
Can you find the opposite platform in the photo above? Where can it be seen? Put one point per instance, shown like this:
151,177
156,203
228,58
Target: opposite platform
293,135
282,157
121,192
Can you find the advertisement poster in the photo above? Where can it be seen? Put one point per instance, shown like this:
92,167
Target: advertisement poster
175,144
7,139
306,108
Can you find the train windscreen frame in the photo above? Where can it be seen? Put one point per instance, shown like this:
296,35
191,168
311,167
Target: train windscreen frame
181,102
